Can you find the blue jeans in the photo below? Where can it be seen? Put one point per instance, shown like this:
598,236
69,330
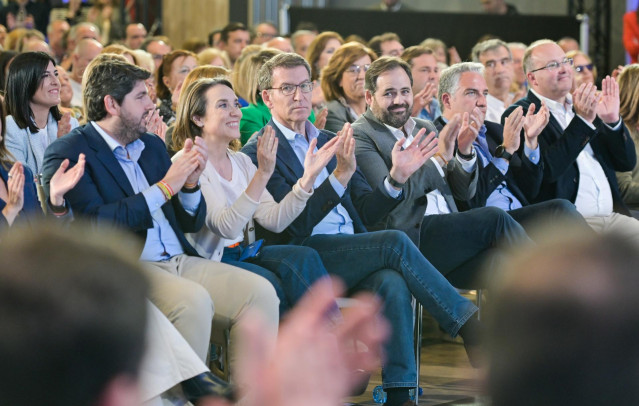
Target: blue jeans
290,269
389,264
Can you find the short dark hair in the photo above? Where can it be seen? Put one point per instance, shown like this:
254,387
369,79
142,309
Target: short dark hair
376,42
381,65
73,317
114,77
231,27
415,51
23,81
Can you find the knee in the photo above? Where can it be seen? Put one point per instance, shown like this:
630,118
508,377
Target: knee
260,295
395,238
196,305
562,206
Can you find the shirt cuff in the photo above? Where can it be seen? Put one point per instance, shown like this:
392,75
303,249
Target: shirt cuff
616,126
532,154
501,164
468,166
339,189
591,125
154,198
394,193
190,201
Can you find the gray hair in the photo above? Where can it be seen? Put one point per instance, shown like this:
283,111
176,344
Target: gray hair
449,78
528,63
519,45
489,45
284,60
74,28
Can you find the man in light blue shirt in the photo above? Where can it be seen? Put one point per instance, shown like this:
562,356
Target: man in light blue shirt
333,222
130,183
509,176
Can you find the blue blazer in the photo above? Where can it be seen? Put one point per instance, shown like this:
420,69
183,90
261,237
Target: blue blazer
364,205
104,193
31,211
559,148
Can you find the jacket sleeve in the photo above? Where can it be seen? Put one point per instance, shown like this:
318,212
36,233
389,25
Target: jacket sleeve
131,213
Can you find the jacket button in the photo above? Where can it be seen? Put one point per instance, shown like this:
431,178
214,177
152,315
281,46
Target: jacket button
251,229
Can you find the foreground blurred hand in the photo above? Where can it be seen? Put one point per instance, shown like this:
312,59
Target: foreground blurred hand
312,362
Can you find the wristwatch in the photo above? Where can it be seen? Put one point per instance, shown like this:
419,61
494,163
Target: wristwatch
500,152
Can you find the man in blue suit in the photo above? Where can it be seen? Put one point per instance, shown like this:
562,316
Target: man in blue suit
385,262
130,183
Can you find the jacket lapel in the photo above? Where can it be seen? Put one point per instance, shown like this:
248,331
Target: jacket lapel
104,154
285,153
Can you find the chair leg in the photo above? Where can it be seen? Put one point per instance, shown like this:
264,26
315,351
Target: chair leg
418,345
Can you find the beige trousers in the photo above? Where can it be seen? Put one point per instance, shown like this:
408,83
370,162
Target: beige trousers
616,223
185,289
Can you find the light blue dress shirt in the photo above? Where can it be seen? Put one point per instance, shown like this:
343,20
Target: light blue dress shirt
161,241
337,221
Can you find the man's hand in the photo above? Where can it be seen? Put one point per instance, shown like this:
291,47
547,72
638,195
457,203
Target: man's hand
346,163
447,137
15,192
615,73
468,131
315,162
423,98
408,160
64,125
608,106
534,124
585,101
267,152
64,180
512,129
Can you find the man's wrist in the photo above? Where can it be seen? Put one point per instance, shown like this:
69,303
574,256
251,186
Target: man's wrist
466,157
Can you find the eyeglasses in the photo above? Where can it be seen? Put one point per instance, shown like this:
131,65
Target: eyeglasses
288,89
356,69
555,65
580,68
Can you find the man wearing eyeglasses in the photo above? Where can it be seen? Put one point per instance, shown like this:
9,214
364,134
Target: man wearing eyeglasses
385,262
497,59
585,141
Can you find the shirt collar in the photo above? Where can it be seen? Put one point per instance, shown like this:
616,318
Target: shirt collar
133,149
555,105
311,131
409,127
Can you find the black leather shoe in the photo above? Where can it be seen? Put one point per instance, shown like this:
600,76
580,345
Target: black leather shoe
206,384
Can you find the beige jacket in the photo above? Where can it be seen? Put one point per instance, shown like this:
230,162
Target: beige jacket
229,222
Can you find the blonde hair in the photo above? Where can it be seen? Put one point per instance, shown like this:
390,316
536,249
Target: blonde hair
245,75
629,95
207,55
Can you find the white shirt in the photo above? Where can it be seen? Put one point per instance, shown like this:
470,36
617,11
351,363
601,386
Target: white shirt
436,202
76,101
495,108
594,197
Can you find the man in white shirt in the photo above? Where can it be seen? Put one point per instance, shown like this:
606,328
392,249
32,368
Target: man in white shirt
84,52
497,59
585,141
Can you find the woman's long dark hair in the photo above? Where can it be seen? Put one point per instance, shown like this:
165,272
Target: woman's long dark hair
24,79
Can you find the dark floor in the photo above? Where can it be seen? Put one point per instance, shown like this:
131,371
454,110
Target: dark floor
446,377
